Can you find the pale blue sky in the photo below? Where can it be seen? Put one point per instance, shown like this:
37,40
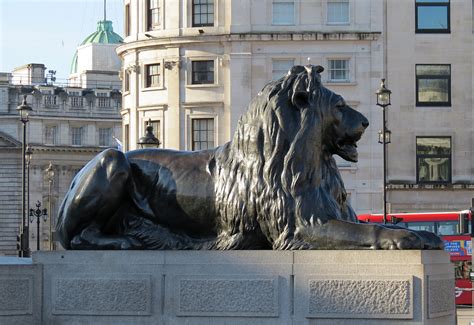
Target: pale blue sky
48,31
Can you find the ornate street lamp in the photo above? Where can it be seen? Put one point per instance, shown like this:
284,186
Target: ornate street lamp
50,177
28,156
38,213
388,136
24,110
149,140
383,100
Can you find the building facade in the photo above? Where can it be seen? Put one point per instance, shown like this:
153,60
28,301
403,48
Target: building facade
192,67
68,126
429,68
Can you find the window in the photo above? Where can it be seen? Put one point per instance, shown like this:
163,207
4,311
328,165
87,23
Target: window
105,137
433,85
433,159
103,100
77,134
50,134
126,81
203,13
424,226
432,16
127,20
156,128
153,17
283,12
280,67
152,75
446,228
202,72
76,99
49,100
338,12
202,133
338,70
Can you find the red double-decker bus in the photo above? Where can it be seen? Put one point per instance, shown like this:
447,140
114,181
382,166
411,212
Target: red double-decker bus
455,228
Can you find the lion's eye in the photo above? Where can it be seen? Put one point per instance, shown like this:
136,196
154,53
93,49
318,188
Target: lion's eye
341,105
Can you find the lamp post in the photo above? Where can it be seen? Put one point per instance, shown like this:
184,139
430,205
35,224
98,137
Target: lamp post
383,100
50,176
28,156
24,110
38,213
149,140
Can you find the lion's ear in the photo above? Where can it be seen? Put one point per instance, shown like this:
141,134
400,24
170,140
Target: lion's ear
300,99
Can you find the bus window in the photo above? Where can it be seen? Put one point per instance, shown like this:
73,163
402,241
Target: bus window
447,228
427,226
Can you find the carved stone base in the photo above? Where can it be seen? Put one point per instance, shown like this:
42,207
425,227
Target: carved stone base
236,287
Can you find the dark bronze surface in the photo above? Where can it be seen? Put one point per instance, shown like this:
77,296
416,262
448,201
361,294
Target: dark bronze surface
274,186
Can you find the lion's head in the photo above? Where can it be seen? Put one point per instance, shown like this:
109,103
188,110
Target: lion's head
278,172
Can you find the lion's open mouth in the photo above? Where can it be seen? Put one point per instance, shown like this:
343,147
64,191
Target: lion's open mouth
347,148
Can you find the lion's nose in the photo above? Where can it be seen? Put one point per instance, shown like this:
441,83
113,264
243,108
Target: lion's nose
365,123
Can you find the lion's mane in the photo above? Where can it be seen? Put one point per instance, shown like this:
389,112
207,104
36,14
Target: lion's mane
275,176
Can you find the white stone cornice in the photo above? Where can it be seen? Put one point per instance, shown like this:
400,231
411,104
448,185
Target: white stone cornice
250,37
43,148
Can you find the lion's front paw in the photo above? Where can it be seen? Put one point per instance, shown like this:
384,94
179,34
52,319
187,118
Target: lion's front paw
398,239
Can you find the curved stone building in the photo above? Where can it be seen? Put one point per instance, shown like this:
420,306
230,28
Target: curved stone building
192,67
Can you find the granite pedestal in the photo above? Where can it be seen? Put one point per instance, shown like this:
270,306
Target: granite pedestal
230,287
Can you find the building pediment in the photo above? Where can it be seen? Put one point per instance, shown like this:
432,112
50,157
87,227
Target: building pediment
8,141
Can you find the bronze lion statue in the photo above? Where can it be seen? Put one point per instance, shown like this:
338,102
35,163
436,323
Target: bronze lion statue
274,186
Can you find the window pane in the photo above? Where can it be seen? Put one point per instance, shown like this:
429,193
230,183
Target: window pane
203,72
433,146
433,169
202,134
338,12
447,228
433,90
203,13
433,82
283,13
433,70
430,17
339,70
427,226
281,68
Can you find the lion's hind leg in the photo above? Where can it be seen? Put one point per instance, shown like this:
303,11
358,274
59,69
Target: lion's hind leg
154,236
92,238
92,200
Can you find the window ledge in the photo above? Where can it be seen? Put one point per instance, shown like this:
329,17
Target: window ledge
125,93
152,88
338,24
341,83
438,186
424,107
202,86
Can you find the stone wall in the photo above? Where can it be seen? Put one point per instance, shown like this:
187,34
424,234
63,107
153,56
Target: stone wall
234,287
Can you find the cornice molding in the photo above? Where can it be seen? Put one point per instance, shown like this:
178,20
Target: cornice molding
249,37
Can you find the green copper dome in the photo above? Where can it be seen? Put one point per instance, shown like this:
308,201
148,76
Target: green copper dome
103,35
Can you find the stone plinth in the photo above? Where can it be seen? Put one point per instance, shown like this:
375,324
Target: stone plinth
20,291
245,287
